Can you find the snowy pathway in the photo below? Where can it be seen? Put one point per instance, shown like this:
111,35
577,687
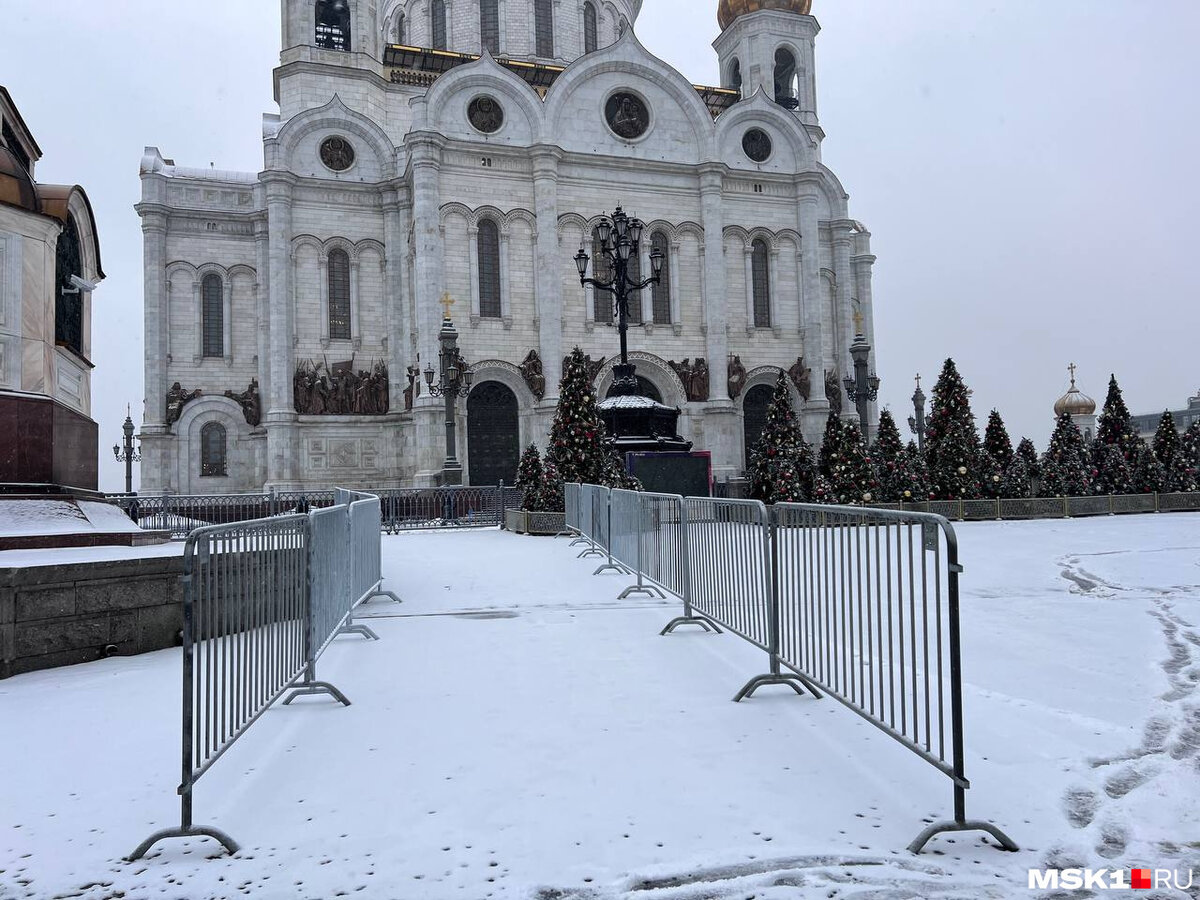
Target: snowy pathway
518,733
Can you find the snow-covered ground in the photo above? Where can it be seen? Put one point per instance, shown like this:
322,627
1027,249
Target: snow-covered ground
518,733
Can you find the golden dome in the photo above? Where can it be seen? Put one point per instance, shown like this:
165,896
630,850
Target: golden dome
728,10
1075,402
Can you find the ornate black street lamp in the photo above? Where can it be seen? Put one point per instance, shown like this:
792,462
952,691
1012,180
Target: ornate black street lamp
917,423
862,389
454,379
128,455
620,240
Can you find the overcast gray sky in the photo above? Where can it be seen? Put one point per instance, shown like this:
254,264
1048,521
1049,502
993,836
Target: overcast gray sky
1026,169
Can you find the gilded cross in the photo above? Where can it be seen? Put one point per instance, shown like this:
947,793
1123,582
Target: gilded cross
1072,367
918,381
858,322
446,302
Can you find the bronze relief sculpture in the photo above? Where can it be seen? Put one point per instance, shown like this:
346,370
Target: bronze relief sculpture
535,378
250,402
801,377
320,390
177,399
737,377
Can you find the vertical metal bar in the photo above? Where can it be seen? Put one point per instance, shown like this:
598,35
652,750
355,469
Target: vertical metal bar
771,553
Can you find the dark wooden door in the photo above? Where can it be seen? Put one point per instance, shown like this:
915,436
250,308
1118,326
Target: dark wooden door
754,413
493,434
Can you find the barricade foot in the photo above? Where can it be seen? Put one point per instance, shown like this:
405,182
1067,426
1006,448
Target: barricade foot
1005,842
317,687
215,833
795,682
642,589
381,593
612,567
578,540
707,624
359,629
590,551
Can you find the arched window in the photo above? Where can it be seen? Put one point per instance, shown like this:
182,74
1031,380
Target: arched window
603,306
489,269
762,284
68,305
402,29
590,27
437,25
785,78
212,315
489,25
339,295
212,450
661,292
735,75
543,27
333,24
634,272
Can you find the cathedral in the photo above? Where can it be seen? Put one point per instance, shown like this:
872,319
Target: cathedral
446,159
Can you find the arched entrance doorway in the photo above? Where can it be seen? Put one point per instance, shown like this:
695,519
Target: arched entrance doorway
646,388
754,415
493,434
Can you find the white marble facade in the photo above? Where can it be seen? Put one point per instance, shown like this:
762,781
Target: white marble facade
425,184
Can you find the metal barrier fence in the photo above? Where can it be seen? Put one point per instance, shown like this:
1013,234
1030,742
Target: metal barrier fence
262,600
858,604
402,508
573,507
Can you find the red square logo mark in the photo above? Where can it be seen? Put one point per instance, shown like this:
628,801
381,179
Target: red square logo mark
1142,879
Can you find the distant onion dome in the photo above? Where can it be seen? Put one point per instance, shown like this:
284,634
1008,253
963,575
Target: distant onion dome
729,10
1074,402
16,187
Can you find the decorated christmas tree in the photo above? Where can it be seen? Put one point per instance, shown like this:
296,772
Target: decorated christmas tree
952,441
1015,482
996,441
781,466
577,437
991,476
851,476
1113,474
1149,477
1168,450
916,476
1028,452
530,477
1189,451
1065,469
831,445
1114,430
550,497
888,455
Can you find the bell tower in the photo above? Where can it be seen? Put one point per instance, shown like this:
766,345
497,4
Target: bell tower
770,45
345,26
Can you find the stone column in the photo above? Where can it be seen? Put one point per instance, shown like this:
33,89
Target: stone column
198,319
282,432
748,268
323,279
394,305
673,282
425,152
548,268
645,297
716,309
816,410
842,243
863,261
227,321
355,306
505,288
473,264
262,294
157,444
773,290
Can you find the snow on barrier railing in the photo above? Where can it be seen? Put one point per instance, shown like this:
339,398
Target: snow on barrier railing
262,601
858,604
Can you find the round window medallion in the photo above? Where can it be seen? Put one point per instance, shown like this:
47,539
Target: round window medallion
486,114
627,115
337,153
757,144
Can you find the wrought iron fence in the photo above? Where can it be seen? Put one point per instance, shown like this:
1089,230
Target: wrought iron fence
855,603
403,509
262,600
